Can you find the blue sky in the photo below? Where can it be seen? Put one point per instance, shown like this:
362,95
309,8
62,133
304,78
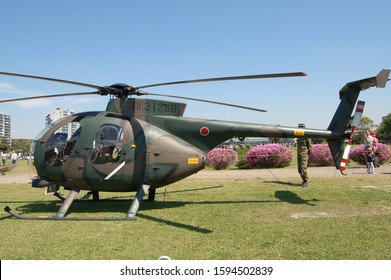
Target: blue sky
145,42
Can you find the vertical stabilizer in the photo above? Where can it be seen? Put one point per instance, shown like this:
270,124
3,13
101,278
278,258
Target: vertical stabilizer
342,117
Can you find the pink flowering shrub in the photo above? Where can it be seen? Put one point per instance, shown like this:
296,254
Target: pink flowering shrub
269,156
220,158
383,154
320,155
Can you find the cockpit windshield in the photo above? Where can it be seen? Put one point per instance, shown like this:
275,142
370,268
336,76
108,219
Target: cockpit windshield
67,128
42,133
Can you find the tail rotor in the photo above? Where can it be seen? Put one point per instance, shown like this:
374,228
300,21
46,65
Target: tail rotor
355,123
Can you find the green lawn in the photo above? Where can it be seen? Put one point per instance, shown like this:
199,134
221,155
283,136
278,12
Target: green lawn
210,219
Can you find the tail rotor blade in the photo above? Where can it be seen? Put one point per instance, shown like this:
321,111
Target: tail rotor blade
355,123
358,114
345,156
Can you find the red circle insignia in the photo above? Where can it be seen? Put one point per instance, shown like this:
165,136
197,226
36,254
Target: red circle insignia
204,131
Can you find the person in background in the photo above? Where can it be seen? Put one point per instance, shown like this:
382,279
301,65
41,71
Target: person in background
369,157
4,158
303,151
14,159
375,143
368,141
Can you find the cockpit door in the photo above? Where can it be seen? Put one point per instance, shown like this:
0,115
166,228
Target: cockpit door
110,162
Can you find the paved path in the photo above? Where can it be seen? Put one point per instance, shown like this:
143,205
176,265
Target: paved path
280,173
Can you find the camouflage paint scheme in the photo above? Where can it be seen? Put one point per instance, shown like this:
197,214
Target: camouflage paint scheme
158,147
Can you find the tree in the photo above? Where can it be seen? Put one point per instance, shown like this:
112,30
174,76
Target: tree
384,130
365,124
21,145
4,146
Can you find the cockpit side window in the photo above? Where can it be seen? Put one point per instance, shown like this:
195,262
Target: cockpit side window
54,148
107,145
108,133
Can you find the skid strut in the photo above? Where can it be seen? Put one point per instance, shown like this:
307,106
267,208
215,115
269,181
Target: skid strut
137,201
67,203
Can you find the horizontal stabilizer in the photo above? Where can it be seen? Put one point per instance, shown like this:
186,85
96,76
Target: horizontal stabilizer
379,81
382,78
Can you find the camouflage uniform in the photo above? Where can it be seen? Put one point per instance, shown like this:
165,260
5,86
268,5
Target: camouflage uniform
303,151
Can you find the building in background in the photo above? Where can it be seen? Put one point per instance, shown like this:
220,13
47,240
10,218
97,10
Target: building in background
5,128
58,114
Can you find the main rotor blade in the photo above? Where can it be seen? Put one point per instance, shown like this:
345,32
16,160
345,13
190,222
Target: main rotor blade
51,79
48,96
208,101
247,77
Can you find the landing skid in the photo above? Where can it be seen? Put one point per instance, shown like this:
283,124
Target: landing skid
67,202
55,218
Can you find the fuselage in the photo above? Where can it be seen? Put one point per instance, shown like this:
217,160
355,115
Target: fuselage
138,142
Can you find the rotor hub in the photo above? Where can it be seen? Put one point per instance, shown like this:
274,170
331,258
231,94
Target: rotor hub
121,90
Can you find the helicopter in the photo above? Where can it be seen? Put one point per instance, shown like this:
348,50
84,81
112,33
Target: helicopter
140,144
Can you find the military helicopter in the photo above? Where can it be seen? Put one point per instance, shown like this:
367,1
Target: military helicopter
139,145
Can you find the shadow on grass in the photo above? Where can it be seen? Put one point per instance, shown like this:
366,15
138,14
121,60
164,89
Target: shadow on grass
284,183
90,206
108,206
195,189
119,206
293,198
174,224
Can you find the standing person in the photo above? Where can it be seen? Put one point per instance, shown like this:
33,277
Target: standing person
1,165
303,151
375,143
14,158
369,157
368,141
4,158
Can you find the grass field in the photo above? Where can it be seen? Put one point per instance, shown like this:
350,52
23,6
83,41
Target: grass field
213,218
